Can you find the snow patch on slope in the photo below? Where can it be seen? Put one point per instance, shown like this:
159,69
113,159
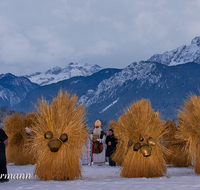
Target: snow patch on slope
109,106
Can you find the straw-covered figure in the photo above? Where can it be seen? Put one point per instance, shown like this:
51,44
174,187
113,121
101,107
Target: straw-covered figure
178,156
121,149
139,132
60,138
18,127
189,129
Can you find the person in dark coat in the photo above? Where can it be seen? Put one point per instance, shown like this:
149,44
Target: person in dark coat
3,168
111,143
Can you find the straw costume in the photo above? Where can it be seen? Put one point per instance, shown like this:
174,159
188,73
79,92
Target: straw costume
121,148
60,138
139,131
18,128
189,129
178,156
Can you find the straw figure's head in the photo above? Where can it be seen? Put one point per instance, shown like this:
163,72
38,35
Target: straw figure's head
189,129
178,156
19,130
139,132
61,135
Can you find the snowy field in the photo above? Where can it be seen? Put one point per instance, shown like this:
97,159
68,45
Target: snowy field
105,177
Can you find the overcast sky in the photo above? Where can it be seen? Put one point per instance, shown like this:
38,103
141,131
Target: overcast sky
36,35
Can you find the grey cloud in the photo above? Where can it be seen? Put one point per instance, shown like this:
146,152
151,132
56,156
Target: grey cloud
40,34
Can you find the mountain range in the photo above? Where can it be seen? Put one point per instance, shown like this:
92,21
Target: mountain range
165,79
14,89
180,55
57,74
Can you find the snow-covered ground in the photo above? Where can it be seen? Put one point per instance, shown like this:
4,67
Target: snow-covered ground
105,177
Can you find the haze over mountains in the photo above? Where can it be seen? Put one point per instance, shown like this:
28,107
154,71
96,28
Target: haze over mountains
165,79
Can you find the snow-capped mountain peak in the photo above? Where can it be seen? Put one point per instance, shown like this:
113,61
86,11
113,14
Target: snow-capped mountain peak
57,74
196,41
55,70
180,55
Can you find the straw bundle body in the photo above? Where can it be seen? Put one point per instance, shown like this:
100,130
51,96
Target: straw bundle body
60,117
121,148
189,129
137,125
178,156
18,149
